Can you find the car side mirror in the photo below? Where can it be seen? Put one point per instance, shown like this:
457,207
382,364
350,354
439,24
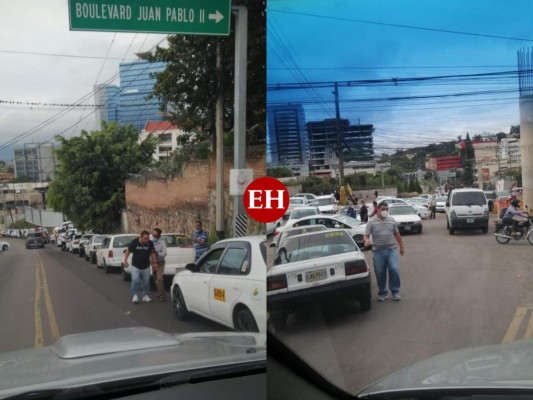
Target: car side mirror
192,267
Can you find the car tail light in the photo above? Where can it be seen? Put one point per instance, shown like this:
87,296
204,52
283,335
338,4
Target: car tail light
110,254
355,267
276,282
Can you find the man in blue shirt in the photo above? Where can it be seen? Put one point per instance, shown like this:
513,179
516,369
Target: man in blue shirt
200,240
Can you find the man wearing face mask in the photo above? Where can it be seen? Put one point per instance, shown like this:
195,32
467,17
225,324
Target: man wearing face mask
385,238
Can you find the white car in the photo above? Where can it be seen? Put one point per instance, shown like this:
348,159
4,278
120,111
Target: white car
406,218
110,255
300,212
315,266
4,246
309,196
326,204
94,244
226,285
272,226
180,252
295,202
355,228
440,205
421,210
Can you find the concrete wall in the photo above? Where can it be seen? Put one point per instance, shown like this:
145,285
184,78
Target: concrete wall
174,204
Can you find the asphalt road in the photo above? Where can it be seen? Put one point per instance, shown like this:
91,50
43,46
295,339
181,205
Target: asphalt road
47,293
458,291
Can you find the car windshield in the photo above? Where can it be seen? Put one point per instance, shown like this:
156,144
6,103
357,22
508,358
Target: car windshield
468,198
314,245
296,200
401,210
442,199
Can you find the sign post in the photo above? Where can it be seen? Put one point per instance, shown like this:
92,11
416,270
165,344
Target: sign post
198,17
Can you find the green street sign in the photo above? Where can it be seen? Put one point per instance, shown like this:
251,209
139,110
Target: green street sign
195,17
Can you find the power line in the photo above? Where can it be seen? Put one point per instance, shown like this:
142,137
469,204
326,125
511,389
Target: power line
33,53
270,10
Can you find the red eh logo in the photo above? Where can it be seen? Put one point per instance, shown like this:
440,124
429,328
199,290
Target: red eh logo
266,199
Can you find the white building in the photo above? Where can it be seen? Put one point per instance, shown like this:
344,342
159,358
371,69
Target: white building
168,135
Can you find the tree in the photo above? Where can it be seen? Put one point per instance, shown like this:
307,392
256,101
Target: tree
468,160
89,182
190,85
279,172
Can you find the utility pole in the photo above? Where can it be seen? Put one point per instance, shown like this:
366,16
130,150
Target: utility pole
339,136
219,126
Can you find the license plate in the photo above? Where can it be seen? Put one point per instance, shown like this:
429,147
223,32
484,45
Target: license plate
318,275
407,228
470,220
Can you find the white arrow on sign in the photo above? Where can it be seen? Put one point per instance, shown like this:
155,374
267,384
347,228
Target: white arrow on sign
217,17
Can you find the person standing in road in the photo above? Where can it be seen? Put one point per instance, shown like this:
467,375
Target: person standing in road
144,255
363,212
159,267
200,240
385,236
432,207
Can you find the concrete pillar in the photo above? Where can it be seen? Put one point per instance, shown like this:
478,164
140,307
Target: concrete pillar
526,147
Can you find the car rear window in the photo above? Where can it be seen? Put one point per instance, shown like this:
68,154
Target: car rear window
312,246
35,235
123,241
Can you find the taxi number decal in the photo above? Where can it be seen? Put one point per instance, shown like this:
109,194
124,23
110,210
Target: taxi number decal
334,234
220,294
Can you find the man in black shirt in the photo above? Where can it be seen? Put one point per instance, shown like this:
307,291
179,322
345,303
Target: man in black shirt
144,255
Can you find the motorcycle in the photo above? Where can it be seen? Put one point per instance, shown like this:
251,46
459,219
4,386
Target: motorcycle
523,230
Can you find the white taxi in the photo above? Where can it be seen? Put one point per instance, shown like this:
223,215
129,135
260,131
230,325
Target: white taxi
316,266
226,285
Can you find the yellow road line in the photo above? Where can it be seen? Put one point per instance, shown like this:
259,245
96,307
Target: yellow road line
38,342
515,325
529,330
48,301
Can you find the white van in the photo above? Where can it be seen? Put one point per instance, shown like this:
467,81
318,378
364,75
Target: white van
467,209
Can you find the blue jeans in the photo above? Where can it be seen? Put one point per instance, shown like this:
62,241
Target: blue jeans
386,260
140,277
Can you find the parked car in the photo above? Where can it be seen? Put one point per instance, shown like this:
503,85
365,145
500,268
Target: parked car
326,204
316,266
355,228
92,246
110,255
74,244
300,212
406,218
309,196
226,285
34,239
180,252
271,226
293,203
84,241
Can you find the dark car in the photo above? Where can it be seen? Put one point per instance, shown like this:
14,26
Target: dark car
34,239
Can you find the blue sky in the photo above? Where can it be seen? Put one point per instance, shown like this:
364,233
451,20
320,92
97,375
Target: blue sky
326,41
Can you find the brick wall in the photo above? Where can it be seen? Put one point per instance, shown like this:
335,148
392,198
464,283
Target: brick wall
175,203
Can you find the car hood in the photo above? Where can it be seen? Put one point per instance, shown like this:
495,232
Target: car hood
108,356
504,366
